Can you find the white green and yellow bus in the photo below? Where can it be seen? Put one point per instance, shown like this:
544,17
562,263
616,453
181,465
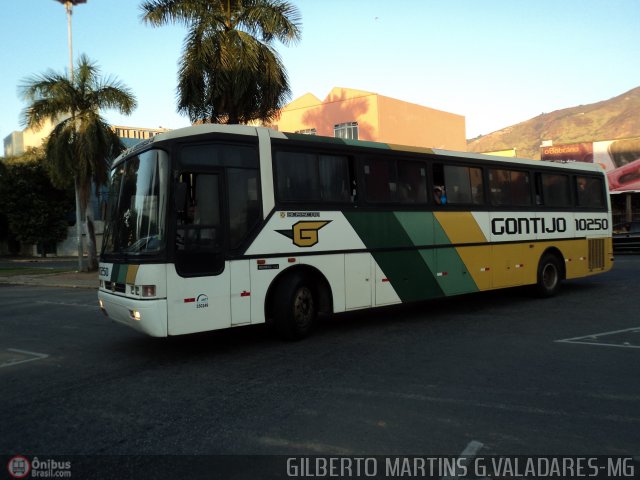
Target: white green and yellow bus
218,226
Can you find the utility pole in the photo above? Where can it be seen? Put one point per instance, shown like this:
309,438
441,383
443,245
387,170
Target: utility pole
68,5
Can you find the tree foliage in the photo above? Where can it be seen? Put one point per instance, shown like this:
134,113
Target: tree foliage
230,71
80,145
79,148
35,210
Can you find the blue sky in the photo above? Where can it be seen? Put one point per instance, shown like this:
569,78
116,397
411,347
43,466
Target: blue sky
497,62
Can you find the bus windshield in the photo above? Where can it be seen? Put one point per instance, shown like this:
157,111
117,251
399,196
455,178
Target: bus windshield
137,211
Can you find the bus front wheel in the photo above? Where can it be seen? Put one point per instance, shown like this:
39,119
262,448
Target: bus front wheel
549,275
296,307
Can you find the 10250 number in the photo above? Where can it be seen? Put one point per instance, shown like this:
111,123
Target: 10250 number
591,224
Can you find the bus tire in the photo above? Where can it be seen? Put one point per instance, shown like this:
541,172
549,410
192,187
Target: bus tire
295,308
549,275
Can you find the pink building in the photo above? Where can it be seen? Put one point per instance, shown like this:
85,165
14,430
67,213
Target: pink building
361,115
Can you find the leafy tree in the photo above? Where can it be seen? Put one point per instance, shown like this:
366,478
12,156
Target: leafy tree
35,210
79,148
229,71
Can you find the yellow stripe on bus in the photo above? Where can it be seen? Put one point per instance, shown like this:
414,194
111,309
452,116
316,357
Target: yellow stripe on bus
460,227
132,271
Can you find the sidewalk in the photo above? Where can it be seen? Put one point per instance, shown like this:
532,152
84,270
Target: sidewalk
64,279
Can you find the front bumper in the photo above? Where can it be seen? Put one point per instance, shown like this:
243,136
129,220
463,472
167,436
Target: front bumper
152,313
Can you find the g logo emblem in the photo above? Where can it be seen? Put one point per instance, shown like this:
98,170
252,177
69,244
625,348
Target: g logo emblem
304,233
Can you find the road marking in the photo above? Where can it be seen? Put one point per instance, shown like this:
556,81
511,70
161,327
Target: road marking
68,304
314,447
13,361
594,337
469,452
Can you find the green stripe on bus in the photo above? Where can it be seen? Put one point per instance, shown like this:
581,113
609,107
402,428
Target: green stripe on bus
445,264
409,275
406,270
454,277
418,225
122,274
114,272
366,143
415,275
379,229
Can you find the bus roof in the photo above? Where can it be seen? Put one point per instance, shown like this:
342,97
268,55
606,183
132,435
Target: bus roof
247,130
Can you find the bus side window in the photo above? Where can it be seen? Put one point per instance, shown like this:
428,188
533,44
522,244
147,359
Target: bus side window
380,180
244,207
297,176
555,190
334,178
509,187
439,194
590,192
412,180
459,184
309,177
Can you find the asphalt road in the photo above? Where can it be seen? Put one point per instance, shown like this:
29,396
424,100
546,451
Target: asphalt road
494,370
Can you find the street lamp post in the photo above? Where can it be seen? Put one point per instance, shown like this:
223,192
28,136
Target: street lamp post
68,5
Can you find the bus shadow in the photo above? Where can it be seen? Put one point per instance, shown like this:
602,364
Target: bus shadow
198,345
459,308
259,338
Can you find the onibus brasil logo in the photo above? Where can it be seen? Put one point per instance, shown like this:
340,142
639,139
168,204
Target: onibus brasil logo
304,233
19,467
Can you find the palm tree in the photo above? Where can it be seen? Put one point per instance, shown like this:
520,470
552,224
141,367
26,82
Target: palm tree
229,71
80,146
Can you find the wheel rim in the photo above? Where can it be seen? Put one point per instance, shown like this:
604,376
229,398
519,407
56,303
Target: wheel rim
549,276
303,307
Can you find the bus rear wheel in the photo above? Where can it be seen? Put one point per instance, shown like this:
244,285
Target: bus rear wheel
296,307
549,275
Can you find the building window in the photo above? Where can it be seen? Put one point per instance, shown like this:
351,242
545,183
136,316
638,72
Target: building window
347,130
307,131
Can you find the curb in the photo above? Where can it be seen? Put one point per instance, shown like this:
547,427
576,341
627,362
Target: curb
23,283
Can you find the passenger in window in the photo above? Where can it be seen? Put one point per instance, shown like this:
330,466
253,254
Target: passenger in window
589,192
438,196
582,186
406,195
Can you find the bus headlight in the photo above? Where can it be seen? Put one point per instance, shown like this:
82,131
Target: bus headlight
135,315
102,309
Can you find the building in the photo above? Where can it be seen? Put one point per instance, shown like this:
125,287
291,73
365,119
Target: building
509,153
18,142
620,159
132,135
356,114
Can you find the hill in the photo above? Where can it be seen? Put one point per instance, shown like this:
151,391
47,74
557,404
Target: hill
618,117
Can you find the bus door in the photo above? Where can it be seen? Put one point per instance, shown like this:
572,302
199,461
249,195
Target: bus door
198,288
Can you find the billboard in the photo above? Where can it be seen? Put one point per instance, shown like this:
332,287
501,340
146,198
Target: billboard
619,158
